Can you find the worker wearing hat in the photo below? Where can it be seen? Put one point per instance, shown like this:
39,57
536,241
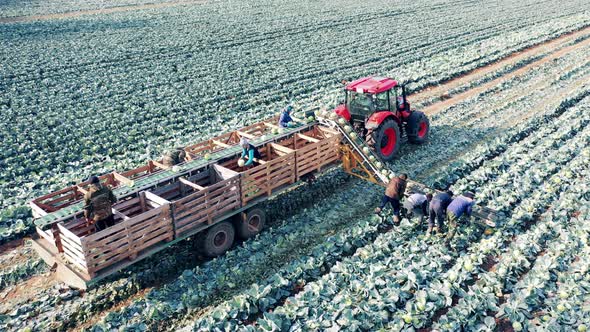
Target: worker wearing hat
394,192
249,151
285,120
98,204
461,205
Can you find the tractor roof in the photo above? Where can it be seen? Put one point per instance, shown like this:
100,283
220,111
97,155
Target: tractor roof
372,84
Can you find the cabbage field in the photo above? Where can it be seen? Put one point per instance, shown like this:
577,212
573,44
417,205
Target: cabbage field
95,86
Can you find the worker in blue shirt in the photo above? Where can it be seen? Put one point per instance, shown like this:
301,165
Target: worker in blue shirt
437,211
462,205
249,151
285,120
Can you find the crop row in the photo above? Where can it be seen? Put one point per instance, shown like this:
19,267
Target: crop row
524,212
16,8
473,160
565,308
308,305
477,274
492,112
528,166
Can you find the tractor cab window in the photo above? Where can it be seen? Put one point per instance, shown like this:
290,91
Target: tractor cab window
394,98
359,103
399,97
381,102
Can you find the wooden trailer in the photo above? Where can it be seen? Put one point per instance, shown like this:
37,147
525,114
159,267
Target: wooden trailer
208,193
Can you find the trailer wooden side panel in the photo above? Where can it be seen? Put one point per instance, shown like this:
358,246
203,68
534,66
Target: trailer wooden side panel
264,179
127,239
313,157
202,207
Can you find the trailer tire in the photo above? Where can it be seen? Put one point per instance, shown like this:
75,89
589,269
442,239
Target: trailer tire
418,128
218,239
251,223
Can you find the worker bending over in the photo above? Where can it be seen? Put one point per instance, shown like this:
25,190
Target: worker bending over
98,204
174,157
418,201
393,194
249,151
285,120
438,211
460,206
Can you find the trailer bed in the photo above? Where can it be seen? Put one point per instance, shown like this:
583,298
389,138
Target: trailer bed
170,205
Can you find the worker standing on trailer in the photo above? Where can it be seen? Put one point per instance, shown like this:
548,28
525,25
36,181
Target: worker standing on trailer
285,120
438,211
417,201
249,151
174,157
98,202
460,206
393,194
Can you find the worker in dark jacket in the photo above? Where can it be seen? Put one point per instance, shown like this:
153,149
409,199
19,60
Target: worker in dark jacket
174,157
460,206
98,203
393,194
249,152
438,211
285,120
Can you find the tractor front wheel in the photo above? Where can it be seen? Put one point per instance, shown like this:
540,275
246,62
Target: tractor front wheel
418,128
385,140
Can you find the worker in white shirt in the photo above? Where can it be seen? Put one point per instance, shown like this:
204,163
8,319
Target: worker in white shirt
417,201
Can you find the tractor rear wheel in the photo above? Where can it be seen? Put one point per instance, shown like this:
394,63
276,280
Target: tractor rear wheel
385,140
218,239
418,128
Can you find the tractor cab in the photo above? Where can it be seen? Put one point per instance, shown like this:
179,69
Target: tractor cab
362,104
379,110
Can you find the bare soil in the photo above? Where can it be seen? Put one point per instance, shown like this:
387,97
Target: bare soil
442,92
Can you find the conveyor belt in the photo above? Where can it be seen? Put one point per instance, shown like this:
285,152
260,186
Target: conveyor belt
373,164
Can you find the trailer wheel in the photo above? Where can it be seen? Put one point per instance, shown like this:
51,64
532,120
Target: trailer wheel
418,128
251,223
218,239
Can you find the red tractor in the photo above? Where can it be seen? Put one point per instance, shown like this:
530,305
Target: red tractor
378,109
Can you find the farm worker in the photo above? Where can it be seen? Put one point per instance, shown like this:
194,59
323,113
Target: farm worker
393,194
249,151
98,204
460,206
174,157
417,201
285,120
438,211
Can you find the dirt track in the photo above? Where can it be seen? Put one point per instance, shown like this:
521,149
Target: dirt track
556,49
72,14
